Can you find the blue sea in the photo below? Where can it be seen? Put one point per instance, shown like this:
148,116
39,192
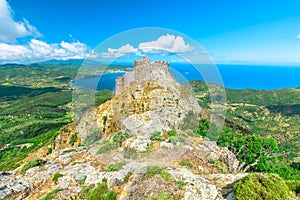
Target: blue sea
233,76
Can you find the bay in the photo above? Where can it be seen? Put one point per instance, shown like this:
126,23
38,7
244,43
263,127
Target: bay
233,76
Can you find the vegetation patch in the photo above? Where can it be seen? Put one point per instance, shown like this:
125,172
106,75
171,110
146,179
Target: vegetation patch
120,137
174,139
106,147
166,196
56,177
153,170
116,166
294,186
172,133
156,136
101,192
31,163
261,186
51,194
186,163
82,181
84,191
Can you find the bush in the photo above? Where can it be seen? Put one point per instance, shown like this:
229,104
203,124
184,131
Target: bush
172,133
116,166
250,148
261,186
294,186
173,139
120,137
49,150
202,128
101,192
82,181
156,136
31,163
56,177
84,192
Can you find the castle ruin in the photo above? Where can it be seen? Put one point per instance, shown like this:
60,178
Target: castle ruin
143,71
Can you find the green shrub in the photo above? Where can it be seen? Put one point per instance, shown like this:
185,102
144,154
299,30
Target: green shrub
181,184
187,164
75,163
172,133
293,185
51,194
31,163
101,192
116,166
261,186
250,148
83,193
106,147
173,139
156,136
152,170
82,181
212,161
202,128
56,177
49,150
120,137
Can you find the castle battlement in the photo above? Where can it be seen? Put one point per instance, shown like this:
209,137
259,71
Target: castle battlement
143,70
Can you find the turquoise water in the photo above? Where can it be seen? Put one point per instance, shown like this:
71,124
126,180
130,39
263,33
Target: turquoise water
233,76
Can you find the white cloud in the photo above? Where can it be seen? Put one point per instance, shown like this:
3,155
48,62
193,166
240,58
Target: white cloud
298,36
164,44
169,43
10,30
122,51
38,50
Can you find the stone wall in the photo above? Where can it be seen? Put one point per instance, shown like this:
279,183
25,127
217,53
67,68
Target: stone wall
143,71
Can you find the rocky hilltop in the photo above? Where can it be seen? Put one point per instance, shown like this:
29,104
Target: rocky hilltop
147,100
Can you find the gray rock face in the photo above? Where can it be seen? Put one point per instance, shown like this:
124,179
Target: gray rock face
219,153
140,143
206,187
197,187
166,145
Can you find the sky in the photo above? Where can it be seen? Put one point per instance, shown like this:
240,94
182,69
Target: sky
231,31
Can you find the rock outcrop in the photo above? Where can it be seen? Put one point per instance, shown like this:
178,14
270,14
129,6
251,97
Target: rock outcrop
146,100
80,168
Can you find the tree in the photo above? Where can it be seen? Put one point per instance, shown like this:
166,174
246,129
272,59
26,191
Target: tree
253,151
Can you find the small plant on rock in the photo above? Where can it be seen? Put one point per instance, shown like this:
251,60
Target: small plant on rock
56,177
116,166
